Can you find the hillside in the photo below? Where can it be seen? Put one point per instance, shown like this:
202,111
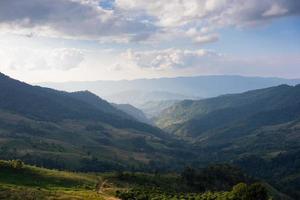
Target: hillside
100,104
29,182
56,129
195,117
263,122
154,108
136,113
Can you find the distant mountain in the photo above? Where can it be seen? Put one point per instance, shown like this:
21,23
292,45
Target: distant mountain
154,108
184,87
134,112
138,98
78,131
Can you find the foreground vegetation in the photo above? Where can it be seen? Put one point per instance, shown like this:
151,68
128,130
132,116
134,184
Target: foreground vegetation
24,182
218,182
239,192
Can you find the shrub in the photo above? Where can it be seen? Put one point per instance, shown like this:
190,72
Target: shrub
16,164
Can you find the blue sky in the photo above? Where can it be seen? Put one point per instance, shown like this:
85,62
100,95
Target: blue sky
63,40
280,36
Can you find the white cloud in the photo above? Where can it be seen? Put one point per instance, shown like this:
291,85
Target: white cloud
40,59
171,58
137,20
68,18
176,12
275,10
172,62
178,15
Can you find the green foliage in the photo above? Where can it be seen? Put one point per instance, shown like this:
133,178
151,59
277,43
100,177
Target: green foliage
16,164
281,171
28,183
255,191
214,178
239,192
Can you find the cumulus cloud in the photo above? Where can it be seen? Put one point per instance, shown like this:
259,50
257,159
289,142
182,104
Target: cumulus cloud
171,58
35,59
179,12
137,20
203,62
71,18
209,14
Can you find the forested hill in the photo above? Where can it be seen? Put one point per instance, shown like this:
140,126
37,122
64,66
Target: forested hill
74,130
52,105
268,106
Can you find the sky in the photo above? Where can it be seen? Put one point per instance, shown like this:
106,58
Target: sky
86,40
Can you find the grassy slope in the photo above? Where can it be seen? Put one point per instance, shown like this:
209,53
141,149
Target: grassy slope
40,183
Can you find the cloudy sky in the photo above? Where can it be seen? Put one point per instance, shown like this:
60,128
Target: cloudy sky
62,40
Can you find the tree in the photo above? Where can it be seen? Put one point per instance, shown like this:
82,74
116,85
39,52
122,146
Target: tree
257,191
188,175
239,191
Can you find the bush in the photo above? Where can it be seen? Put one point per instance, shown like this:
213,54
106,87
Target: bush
16,164
239,192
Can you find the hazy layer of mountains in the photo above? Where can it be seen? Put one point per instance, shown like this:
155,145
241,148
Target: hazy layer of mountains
140,91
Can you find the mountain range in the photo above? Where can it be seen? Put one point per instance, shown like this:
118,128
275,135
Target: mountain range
140,91
257,130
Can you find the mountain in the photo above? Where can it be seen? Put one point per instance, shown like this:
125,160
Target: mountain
259,108
179,87
266,119
77,131
134,112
